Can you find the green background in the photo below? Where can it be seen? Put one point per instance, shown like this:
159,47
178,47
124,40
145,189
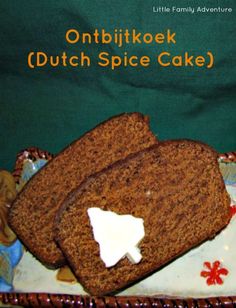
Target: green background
50,107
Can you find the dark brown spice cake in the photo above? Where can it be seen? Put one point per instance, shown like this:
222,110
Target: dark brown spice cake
32,214
176,187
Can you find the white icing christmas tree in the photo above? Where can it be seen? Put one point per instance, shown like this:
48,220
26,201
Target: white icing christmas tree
118,235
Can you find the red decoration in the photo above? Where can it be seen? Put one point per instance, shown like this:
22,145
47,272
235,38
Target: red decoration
213,273
233,210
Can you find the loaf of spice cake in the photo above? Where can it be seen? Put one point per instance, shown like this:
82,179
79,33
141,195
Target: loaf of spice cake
176,188
32,214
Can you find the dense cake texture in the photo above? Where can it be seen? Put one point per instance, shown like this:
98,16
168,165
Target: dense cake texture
32,214
176,187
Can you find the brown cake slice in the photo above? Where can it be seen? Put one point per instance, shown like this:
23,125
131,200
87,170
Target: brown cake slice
33,212
176,187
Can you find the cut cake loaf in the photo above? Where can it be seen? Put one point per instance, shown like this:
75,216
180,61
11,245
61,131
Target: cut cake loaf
32,214
176,187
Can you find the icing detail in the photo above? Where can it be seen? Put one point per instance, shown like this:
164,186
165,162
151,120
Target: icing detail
118,235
